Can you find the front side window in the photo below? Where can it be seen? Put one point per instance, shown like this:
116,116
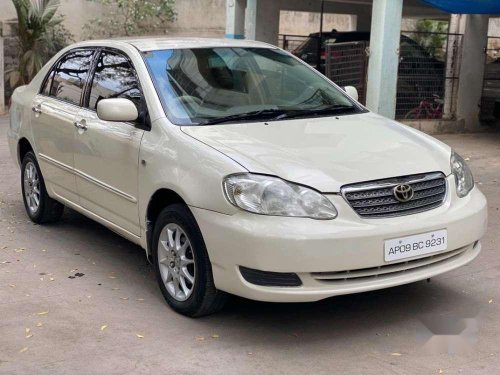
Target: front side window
114,77
70,76
206,85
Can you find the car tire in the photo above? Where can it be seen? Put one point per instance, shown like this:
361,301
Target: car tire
182,266
39,206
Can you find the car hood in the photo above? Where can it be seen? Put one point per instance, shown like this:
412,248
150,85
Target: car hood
326,153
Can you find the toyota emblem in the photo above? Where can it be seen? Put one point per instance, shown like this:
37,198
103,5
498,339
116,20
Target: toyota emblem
403,193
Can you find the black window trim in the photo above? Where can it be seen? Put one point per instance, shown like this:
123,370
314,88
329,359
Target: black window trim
85,100
56,65
85,95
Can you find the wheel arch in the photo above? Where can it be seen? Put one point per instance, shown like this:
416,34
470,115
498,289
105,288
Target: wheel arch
23,147
160,199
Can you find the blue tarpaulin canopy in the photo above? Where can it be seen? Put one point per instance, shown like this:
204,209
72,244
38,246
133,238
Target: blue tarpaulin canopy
466,6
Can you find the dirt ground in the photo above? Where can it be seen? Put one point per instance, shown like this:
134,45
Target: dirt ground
77,299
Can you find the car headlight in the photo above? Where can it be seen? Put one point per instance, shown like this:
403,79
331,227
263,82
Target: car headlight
462,173
268,195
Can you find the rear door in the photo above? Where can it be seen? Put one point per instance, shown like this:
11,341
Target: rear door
106,152
53,116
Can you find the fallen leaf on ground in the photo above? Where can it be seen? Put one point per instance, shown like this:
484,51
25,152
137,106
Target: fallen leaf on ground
139,336
200,338
215,336
43,313
39,324
124,298
490,301
12,285
140,299
51,279
27,330
23,350
104,327
30,335
396,354
112,277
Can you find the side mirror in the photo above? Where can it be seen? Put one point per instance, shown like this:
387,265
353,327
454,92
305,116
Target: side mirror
352,92
117,109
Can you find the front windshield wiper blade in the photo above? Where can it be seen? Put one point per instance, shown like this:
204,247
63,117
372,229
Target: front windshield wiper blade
254,115
325,111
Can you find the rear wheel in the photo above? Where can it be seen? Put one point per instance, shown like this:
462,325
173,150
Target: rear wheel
39,206
182,266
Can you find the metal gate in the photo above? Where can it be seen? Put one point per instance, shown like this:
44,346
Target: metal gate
347,64
490,101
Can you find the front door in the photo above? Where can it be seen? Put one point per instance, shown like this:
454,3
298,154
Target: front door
107,153
53,115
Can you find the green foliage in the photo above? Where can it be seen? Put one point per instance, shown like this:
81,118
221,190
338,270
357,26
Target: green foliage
431,35
131,18
40,34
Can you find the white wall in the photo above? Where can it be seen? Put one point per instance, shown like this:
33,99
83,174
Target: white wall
305,23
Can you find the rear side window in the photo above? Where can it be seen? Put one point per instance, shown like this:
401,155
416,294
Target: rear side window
114,77
70,76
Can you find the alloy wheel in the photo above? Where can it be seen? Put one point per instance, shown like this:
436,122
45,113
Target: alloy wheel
31,187
176,262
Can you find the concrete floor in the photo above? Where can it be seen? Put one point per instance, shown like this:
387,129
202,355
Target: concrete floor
371,333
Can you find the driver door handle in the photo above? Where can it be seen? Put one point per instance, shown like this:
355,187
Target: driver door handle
80,125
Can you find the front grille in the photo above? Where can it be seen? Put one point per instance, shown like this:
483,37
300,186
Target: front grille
389,270
376,198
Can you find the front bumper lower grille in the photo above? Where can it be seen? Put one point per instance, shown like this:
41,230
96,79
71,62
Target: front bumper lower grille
377,198
389,270
266,278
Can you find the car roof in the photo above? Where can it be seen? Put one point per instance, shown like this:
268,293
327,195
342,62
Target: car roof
145,44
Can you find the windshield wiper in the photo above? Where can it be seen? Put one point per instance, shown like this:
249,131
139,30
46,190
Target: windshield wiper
254,115
325,111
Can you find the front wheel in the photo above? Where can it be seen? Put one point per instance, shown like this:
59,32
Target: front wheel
39,206
182,266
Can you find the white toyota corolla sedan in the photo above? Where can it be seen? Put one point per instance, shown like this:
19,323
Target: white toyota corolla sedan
239,169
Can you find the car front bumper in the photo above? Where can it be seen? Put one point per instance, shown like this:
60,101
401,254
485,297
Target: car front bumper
318,251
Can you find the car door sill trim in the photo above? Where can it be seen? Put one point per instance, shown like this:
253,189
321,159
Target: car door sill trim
95,181
114,227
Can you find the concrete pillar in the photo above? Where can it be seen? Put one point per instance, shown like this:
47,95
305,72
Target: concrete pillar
472,61
453,45
384,56
262,20
251,20
235,19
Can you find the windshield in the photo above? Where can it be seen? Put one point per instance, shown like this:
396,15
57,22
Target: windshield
211,85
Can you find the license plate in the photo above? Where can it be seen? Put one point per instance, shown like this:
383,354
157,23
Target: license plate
418,244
